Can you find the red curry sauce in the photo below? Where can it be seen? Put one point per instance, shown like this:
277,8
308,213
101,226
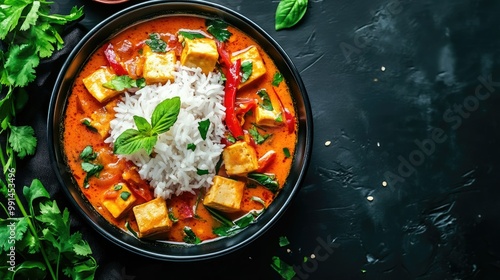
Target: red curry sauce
187,208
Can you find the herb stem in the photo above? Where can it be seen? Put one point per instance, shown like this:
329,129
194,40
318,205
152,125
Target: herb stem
35,235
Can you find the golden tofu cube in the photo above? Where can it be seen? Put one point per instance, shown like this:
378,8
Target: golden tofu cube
118,203
268,118
94,83
200,52
225,194
152,217
240,158
258,68
158,67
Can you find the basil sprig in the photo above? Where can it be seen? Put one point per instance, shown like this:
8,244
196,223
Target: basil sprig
289,13
145,136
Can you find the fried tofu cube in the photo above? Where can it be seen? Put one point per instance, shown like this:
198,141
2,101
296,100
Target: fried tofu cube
158,67
118,199
94,84
200,52
240,158
251,54
225,194
267,118
152,217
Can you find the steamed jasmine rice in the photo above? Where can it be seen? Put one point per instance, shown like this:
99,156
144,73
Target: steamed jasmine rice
173,168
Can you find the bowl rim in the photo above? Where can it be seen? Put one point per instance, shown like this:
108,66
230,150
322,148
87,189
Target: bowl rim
133,244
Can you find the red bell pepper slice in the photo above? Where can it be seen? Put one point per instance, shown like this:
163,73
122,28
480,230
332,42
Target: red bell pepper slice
266,160
112,59
223,55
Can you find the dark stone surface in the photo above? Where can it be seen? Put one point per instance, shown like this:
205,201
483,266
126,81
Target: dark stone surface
406,92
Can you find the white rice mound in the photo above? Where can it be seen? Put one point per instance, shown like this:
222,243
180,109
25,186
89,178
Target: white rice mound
172,169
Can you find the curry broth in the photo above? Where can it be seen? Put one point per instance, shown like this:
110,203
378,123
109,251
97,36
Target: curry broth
81,104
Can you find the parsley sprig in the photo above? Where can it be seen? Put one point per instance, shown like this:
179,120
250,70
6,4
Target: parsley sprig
44,245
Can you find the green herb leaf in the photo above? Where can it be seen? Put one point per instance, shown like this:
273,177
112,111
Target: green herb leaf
284,270
131,141
86,122
19,68
259,200
120,83
218,29
286,151
257,137
142,124
201,171
91,168
277,79
283,241
156,43
125,195
88,154
117,187
129,227
246,70
267,105
22,140
145,137
190,237
191,146
289,13
191,35
203,128
267,180
165,114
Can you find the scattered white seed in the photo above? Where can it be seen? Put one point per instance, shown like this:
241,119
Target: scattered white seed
288,250
384,183
382,68
313,256
369,198
378,144
375,80
328,143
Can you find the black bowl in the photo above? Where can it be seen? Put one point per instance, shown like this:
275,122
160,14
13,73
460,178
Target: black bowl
166,250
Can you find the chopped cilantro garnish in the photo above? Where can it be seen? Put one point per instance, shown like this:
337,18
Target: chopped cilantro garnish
266,101
246,70
156,43
218,29
203,128
277,79
285,270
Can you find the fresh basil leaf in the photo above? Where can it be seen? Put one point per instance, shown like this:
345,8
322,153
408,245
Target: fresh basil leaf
257,137
142,124
266,100
203,128
267,180
246,70
88,154
245,221
220,217
218,29
277,79
191,35
165,114
91,168
156,43
131,140
190,237
289,13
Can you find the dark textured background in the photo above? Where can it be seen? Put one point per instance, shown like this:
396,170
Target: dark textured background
405,92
